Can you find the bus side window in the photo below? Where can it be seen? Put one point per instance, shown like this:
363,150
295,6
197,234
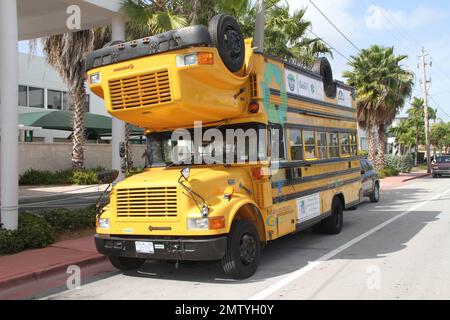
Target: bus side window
296,144
277,144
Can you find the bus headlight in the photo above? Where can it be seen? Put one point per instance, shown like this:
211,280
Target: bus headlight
95,78
191,59
198,223
103,223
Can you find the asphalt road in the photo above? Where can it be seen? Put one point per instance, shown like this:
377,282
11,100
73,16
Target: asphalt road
396,249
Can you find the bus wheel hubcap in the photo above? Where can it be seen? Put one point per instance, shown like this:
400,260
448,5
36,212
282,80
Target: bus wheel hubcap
247,249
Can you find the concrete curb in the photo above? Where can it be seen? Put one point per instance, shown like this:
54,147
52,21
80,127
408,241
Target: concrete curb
417,177
37,275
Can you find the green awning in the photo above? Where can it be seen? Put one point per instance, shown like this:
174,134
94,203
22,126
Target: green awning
62,120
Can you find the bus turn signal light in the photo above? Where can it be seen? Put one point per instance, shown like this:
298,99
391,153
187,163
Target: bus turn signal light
253,107
205,58
216,222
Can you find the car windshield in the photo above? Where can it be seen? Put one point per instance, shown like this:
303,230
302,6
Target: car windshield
445,159
211,145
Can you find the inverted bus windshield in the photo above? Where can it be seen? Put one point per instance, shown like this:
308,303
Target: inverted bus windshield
227,144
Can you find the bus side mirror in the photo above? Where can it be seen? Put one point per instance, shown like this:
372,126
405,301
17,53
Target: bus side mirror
107,177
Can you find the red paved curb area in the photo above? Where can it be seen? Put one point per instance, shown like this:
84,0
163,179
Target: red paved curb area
34,265
393,182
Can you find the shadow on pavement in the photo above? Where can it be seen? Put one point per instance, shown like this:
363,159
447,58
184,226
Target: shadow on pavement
295,251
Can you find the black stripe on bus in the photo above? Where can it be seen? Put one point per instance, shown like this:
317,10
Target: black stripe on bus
300,194
310,100
319,129
304,163
314,178
321,114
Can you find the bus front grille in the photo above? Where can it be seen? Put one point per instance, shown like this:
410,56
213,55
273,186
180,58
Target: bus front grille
151,202
140,91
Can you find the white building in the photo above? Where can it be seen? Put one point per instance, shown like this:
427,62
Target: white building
40,88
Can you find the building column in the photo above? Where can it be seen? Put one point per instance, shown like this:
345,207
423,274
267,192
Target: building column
9,70
118,127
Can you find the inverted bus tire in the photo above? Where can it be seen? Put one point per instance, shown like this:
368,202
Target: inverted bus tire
227,37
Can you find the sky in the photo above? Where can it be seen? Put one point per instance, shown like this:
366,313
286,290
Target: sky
406,25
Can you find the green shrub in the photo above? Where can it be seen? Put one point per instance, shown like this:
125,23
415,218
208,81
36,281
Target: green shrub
33,232
81,177
363,153
134,171
388,172
401,163
84,177
63,220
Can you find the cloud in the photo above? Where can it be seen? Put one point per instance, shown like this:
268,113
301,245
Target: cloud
379,18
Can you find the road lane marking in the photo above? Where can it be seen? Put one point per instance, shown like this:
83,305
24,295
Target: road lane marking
300,272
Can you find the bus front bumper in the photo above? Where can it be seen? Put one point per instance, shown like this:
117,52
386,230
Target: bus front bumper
163,248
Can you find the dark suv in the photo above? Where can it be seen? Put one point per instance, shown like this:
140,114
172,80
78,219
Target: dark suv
370,182
440,166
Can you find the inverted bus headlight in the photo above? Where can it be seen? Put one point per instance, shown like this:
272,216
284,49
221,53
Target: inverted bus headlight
191,59
95,78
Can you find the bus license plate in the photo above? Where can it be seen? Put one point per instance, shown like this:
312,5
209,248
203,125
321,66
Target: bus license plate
144,247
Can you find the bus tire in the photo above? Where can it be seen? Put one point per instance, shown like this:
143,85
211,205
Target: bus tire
375,195
243,250
323,67
227,37
126,264
333,224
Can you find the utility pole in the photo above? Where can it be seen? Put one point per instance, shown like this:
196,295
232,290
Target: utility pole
424,84
259,26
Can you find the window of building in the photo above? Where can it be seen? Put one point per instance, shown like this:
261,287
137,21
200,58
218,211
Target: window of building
322,145
277,142
54,99
345,144
296,144
354,143
23,96
333,145
310,144
36,97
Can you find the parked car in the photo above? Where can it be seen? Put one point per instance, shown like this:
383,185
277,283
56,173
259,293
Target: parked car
440,166
370,182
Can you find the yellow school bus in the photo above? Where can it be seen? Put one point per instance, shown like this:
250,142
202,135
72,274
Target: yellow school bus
223,198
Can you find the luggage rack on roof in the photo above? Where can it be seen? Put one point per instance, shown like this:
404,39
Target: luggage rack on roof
163,42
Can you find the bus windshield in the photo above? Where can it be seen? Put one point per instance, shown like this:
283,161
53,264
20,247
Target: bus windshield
226,144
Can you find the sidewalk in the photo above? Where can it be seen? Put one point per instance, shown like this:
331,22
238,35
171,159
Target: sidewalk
393,182
31,266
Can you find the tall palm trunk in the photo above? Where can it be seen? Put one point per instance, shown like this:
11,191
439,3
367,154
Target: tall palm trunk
381,149
129,153
371,155
78,98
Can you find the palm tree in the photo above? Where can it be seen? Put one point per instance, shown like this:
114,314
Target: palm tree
66,54
382,86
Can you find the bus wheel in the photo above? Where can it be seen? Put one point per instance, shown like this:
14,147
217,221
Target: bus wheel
243,250
126,264
333,224
227,37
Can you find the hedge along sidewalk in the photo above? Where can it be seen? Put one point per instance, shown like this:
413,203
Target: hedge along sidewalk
33,265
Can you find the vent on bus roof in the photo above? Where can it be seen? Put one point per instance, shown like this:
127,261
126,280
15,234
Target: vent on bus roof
140,91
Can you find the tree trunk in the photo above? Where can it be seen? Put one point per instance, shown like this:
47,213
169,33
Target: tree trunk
417,147
78,98
129,153
371,155
381,148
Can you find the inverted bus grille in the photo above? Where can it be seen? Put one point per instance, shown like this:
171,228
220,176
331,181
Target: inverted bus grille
140,91
147,202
